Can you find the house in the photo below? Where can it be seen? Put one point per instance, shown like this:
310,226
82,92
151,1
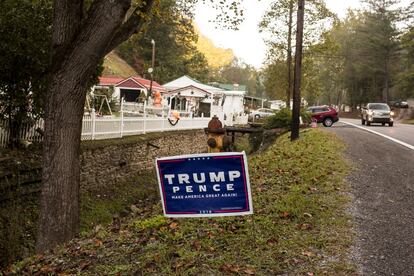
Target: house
128,89
189,95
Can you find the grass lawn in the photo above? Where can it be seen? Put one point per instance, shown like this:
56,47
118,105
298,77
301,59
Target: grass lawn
300,226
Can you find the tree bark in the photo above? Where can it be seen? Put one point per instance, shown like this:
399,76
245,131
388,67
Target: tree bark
77,51
289,56
298,71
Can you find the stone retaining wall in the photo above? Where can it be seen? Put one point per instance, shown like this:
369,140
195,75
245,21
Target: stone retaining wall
108,162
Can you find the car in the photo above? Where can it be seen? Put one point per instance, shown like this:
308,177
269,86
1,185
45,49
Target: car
401,104
324,114
377,113
261,113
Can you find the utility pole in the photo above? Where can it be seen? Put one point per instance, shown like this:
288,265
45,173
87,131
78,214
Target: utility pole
289,55
298,72
151,70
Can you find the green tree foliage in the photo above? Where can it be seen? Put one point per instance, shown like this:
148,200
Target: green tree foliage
278,23
275,79
176,52
406,77
241,73
25,31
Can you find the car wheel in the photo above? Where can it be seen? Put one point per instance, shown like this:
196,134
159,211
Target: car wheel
257,116
383,124
328,122
362,122
391,124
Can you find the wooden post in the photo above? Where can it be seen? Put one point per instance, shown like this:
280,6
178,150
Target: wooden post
145,116
93,117
298,72
122,123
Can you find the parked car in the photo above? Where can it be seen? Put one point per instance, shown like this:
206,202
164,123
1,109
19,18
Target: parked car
377,113
401,104
261,113
324,114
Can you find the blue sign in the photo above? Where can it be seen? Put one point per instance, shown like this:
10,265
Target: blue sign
205,185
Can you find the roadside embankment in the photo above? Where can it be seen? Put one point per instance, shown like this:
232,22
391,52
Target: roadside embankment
300,225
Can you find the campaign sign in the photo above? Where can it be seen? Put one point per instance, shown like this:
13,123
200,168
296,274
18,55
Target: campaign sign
205,185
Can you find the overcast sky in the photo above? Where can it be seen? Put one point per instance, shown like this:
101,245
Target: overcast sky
247,43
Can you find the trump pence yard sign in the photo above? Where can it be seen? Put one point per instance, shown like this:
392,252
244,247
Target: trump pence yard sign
205,185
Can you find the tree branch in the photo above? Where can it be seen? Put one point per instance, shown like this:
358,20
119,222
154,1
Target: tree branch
138,18
67,17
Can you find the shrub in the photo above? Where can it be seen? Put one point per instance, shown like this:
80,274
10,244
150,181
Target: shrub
283,119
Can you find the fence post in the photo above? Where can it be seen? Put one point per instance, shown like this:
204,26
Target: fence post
145,116
163,119
93,117
122,123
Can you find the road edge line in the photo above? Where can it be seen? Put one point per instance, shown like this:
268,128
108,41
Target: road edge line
382,135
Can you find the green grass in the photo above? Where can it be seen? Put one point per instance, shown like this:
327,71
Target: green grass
300,226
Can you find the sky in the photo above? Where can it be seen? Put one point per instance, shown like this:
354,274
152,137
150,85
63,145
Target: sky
247,43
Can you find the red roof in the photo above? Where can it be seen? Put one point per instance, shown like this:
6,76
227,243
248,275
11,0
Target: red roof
106,81
147,84
112,81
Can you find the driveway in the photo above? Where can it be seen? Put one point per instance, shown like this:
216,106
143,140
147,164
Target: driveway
383,199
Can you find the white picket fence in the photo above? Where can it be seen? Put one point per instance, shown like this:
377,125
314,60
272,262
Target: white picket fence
94,127
106,127
27,132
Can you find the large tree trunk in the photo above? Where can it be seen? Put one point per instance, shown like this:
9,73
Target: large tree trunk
289,56
77,51
298,72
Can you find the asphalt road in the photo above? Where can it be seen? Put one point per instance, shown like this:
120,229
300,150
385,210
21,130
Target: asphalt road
402,132
382,188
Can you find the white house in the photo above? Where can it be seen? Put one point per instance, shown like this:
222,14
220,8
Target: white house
189,95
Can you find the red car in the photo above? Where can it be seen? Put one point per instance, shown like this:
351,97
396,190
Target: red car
324,114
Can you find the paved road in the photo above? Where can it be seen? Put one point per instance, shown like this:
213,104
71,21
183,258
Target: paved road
383,201
402,132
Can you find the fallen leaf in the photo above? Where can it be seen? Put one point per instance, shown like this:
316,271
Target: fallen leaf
284,214
272,241
307,215
97,242
308,254
230,268
249,271
83,265
305,226
197,245
46,269
157,258
173,225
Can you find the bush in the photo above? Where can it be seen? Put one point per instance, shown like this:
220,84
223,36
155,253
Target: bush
283,119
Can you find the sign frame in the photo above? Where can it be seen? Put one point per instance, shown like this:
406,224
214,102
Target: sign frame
213,213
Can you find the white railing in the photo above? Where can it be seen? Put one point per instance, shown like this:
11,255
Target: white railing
95,127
